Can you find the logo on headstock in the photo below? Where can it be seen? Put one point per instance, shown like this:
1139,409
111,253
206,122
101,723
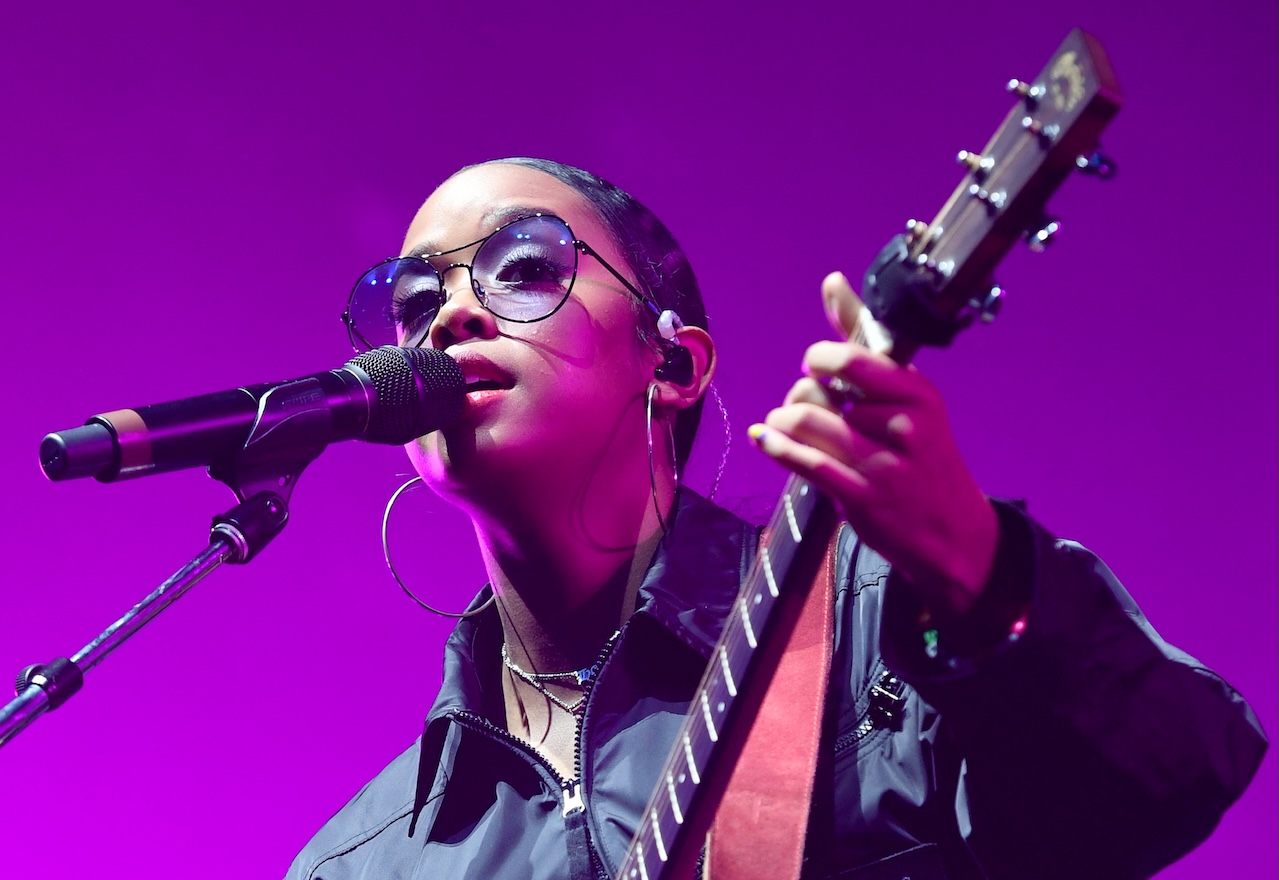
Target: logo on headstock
1066,82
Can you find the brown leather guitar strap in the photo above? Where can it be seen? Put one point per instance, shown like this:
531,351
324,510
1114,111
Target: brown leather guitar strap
761,823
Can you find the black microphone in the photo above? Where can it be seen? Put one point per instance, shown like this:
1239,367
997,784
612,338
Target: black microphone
388,395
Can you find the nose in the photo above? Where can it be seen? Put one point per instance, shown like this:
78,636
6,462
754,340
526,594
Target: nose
462,316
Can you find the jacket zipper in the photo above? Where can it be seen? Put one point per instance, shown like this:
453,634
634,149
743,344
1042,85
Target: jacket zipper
883,711
570,789
573,799
470,719
596,669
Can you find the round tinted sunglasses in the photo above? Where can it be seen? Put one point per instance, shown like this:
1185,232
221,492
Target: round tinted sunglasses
522,272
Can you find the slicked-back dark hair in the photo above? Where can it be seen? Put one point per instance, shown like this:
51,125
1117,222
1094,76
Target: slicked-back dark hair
654,257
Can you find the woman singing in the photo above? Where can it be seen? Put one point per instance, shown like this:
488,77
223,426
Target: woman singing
1043,729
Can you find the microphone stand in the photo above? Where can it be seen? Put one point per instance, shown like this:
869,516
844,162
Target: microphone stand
262,474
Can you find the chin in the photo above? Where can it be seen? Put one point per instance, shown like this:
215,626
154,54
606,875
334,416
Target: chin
465,463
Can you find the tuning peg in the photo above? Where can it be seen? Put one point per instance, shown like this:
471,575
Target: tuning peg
1040,238
939,270
978,164
1047,133
992,303
993,199
1032,94
1097,165
916,229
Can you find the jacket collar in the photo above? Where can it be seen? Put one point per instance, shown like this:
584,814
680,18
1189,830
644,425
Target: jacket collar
689,588
696,573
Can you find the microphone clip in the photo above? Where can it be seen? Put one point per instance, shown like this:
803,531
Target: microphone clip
288,434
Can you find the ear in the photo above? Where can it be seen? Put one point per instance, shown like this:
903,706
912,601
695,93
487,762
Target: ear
701,353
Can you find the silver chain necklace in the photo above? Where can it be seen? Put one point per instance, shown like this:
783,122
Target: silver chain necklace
535,679
573,678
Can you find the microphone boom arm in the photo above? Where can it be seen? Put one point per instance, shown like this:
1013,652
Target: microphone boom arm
285,438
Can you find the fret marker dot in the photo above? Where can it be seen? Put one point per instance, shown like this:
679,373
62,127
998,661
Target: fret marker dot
682,777
759,597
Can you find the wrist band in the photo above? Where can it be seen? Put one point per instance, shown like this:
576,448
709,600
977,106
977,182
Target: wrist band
934,648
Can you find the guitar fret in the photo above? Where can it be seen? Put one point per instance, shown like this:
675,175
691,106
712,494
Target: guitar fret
790,518
639,856
691,761
728,671
676,812
767,565
657,834
746,623
710,722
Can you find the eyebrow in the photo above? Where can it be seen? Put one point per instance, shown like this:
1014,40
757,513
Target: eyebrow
493,219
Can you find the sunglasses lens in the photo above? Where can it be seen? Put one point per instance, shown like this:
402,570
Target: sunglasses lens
522,272
394,303
525,269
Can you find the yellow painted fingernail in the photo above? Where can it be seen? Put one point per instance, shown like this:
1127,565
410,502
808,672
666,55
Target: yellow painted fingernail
757,432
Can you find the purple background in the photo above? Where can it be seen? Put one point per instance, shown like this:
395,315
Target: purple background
188,190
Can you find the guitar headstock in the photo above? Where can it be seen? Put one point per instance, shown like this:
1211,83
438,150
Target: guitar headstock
936,279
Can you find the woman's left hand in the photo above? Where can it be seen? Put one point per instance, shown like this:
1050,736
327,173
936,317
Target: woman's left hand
874,437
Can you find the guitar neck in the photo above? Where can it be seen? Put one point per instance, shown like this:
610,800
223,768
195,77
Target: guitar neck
1053,130
790,550
669,839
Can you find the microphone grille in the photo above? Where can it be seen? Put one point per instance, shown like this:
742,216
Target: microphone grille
419,390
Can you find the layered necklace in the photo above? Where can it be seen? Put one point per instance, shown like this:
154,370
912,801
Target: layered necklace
574,678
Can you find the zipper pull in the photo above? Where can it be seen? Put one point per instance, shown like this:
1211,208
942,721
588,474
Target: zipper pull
573,802
887,702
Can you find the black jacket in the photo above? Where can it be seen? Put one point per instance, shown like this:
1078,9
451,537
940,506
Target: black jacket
1086,748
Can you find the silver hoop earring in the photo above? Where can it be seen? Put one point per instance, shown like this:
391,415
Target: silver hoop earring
386,554
652,466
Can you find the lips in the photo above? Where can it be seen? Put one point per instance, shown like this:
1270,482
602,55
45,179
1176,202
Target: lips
481,374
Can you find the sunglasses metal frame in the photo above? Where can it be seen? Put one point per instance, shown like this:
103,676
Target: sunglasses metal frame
357,338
